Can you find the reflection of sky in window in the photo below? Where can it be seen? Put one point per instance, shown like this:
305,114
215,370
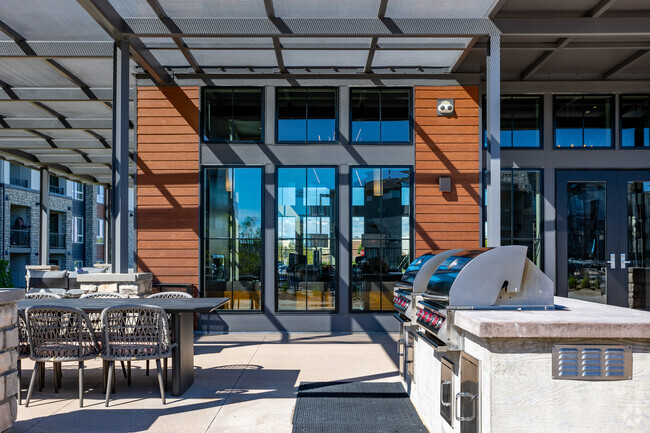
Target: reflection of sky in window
321,130
406,229
316,197
365,130
287,196
357,227
287,227
317,225
628,138
394,131
405,196
292,129
357,196
247,194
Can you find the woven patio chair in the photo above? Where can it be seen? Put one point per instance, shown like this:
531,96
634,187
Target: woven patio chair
132,333
41,295
96,322
104,295
59,334
23,349
168,295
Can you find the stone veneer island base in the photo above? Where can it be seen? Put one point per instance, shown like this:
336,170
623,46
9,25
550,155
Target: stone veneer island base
9,356
517,390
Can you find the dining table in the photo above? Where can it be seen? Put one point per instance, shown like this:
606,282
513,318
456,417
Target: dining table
182,324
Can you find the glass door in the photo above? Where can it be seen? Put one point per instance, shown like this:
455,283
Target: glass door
603,236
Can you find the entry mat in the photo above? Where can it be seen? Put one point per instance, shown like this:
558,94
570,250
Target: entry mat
355,407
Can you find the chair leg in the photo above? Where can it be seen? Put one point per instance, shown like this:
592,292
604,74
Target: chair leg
104,374
128,377
20,387
81,384
32,382
123,369
165,372
42,377
147,367
111,373
160,381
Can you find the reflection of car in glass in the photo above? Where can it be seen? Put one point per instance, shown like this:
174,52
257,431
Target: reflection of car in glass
282,272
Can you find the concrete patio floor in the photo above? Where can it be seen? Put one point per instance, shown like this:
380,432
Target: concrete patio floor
242,383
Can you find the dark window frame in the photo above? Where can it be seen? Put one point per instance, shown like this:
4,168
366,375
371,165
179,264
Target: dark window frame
612,125
202,237
336,242
411,169
541,210
335,140
411,110
620,121
511,96
202,107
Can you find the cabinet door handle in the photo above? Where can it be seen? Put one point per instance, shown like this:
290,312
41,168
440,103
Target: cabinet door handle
443,384
400,344
459,398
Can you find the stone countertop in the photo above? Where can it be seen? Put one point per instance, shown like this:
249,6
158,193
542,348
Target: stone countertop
572,319
11,295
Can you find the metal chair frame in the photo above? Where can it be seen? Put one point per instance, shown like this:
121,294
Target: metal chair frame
132,333
59,334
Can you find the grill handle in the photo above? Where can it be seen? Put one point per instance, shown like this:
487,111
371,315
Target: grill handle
459,398
438,298
443,384
400,344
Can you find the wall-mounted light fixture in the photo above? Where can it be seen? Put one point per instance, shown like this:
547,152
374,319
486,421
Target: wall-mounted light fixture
7,197
445,107
69,207
377,185
444,184
228,180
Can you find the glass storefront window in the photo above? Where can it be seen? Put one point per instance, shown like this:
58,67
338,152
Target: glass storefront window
380,115
635,121
381,234
583,121
521,121
233,236
521,211
307,238
232,114
306,115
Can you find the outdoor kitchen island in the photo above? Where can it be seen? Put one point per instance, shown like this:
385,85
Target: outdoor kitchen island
582,367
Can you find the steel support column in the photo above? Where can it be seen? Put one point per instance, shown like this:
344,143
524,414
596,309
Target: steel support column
44,219
493,127
120,167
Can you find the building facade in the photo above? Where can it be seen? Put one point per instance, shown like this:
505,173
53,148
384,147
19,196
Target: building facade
76,218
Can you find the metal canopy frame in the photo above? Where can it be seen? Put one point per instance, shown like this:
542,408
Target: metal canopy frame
175,50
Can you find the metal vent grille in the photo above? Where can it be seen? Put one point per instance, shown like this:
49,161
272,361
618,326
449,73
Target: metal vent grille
592,362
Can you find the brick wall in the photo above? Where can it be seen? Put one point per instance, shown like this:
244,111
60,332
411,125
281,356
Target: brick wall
446,146
168,183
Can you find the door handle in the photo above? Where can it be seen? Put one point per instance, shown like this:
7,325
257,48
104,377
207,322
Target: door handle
472,398
612,261
443,385
624,262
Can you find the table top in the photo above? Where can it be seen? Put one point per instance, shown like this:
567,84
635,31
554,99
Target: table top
187,305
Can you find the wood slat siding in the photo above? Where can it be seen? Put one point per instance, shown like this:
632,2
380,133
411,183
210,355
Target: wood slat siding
446,146
168,183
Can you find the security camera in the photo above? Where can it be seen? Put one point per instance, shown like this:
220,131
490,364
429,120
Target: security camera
445,107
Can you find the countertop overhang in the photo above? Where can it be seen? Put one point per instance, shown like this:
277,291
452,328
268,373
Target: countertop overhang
571,319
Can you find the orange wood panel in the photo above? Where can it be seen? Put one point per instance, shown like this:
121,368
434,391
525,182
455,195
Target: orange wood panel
449,147
168,183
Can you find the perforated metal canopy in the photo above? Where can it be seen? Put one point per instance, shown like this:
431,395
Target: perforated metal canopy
56,68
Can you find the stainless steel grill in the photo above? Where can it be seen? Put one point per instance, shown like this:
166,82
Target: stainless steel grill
438,283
